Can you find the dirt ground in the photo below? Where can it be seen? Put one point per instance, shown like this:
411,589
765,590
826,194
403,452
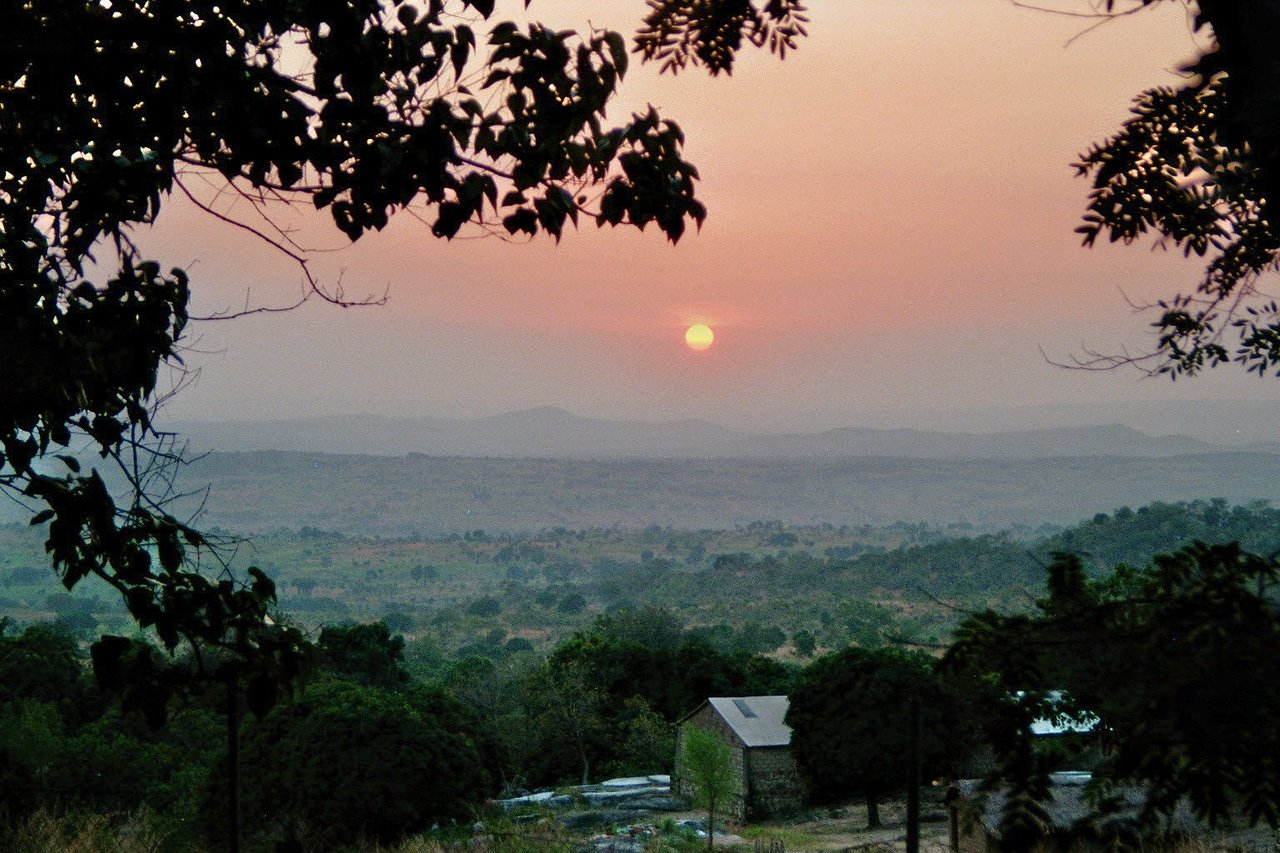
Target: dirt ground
841,829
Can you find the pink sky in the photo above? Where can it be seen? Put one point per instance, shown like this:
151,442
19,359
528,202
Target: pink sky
891,227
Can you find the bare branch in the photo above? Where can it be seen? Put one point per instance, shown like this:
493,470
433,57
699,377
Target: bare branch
313,287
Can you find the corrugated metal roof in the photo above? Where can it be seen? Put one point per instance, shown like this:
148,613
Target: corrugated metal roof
767,728
1061,723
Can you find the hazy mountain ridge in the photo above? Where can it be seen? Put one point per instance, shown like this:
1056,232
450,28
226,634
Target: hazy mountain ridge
556,434
545,468
1102,440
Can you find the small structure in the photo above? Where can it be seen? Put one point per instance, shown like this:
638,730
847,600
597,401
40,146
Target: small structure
768,781
976,818
1079,734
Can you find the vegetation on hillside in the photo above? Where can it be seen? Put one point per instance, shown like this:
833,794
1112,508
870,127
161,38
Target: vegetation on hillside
504,713
764,587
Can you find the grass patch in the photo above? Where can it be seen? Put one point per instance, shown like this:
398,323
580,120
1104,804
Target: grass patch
792,839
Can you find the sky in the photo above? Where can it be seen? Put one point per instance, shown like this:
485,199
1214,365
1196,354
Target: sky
891,236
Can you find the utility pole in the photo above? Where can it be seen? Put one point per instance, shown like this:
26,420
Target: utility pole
233,760
913,782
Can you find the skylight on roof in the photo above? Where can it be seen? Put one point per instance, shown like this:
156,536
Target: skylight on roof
741,705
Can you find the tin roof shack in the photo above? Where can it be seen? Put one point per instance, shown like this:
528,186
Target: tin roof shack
1076,741
768,781
976,816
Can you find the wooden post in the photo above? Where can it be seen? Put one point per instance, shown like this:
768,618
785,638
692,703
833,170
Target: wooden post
233,761
913,780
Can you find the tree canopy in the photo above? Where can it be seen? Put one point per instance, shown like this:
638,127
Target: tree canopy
361,108
851,732
1178,662
368,654
1199,165
345,762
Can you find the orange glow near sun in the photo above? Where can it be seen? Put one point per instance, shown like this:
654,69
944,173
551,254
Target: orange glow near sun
699,336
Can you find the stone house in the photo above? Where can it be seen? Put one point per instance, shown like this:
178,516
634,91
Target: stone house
768,782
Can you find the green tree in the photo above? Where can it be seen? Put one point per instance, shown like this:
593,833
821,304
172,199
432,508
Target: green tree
1178,660
651,627
573,706
367,653
706,761
42,662
492,694
805,643
574,602
31,736
850,723
647,740
359,108
756,638
485,607
343,762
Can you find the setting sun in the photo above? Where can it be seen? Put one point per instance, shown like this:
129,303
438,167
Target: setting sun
699,336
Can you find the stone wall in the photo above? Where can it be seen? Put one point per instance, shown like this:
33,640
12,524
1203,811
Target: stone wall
777,788
767,781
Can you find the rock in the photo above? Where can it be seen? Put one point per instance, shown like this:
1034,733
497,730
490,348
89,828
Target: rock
699,827
614,845
595,819
657,804
628,782
550,799
632,793
614,797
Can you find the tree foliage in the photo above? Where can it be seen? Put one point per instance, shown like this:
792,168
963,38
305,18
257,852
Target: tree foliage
1179,662
850,723
41,663
694,32
65,745
367,653
360,109
706,762
1199,165
344,762
674,671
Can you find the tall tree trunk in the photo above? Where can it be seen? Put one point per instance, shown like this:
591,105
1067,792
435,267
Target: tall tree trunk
873,810
711,825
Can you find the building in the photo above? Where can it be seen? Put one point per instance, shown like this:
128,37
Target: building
768,781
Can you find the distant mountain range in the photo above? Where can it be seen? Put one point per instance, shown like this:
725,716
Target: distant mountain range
550,433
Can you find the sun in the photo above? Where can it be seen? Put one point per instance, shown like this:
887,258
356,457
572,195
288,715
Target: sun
699,336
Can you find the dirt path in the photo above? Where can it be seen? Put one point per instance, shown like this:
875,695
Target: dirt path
844,829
